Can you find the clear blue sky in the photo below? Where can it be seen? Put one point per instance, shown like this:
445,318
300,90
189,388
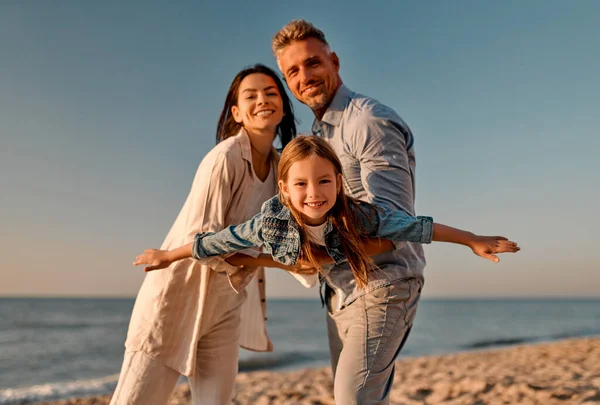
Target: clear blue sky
106,109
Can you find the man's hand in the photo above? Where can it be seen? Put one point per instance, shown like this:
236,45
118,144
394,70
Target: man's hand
155,258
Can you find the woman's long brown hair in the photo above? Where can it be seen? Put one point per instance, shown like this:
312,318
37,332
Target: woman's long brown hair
344,214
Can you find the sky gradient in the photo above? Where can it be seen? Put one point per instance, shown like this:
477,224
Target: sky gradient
106,110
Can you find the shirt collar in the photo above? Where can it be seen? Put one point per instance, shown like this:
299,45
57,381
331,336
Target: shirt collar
245,144
335,111
247,149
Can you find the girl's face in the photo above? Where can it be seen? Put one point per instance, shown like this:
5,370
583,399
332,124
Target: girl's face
259,104
312,186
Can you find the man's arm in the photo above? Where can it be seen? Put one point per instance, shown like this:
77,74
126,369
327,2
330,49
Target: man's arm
266,260
382,145
374,246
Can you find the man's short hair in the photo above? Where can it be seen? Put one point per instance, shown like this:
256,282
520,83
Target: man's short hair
295,30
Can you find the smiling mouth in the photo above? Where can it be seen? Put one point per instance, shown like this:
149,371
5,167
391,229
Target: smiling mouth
264,113
315,204
311,89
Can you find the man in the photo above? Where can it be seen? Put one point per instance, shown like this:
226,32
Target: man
366,327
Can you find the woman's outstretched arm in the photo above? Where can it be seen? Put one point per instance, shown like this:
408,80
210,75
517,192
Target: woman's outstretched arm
157,259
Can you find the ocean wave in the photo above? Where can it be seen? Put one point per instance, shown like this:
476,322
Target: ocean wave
64,325
58,391
286,359
106,385
483,344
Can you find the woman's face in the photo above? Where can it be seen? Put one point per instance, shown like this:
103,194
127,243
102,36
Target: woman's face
259,105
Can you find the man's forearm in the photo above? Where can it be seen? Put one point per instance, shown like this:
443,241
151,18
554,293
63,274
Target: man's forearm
263,260
374,246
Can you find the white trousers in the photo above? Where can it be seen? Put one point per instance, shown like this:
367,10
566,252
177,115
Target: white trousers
146,381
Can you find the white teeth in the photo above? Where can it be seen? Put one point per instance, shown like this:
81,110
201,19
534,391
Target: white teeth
264,112
310,89
314,205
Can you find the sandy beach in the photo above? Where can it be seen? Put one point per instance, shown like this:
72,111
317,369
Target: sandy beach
561,373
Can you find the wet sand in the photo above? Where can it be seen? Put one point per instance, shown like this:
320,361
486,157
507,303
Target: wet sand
561,373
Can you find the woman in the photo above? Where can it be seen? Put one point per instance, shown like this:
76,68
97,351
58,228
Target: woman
187,320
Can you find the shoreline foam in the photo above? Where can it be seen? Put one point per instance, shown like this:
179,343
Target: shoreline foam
564,372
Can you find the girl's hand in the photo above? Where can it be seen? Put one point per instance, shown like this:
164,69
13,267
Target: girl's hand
487,246
155,258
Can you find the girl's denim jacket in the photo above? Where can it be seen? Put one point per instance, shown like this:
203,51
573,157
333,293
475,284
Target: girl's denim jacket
277,232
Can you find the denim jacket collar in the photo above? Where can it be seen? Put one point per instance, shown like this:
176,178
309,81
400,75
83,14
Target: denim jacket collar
328,227
282,235
275,209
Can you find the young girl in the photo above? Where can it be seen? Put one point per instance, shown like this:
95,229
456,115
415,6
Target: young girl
312,213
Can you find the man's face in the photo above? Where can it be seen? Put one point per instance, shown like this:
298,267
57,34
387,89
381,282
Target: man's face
311,71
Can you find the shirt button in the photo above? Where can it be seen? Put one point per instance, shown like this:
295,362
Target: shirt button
262,300
265,319
260,280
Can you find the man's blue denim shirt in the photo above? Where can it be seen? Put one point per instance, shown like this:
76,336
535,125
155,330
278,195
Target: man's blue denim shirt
275,230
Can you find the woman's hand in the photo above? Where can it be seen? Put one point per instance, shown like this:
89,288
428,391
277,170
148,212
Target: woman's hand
303,268
488,246
155,258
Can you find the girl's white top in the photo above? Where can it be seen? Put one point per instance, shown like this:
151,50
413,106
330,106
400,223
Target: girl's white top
317,236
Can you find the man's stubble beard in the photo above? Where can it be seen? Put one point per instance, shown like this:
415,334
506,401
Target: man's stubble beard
318,103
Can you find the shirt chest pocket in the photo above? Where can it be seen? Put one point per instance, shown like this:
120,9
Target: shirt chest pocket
282,240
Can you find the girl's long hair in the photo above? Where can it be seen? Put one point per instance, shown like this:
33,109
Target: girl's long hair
344,214
228,127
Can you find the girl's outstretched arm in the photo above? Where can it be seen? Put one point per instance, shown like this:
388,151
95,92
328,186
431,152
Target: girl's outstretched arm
157,259
399,226
484,246
207,244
